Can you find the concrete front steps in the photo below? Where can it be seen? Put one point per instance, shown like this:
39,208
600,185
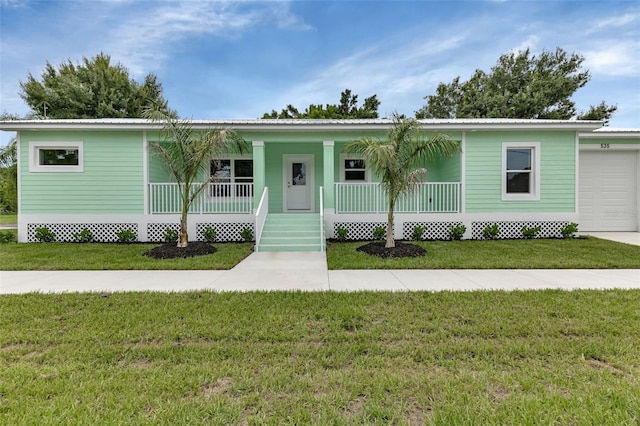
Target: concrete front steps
291,232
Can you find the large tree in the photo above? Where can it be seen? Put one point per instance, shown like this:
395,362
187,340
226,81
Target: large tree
9,178
520,85
186,152
399,159
347,109
94,88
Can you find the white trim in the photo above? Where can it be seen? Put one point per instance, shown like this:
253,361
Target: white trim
577,177
19,172
367,170
463,172
535,170
145,171
328,143
257,143
34,163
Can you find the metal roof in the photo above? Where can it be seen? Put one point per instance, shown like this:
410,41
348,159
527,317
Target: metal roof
473,124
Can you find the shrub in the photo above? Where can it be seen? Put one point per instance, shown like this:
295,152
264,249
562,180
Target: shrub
416,235
246,234
341,233
210,234
457,232
84,236
170,236
569,230
529,233
126,236
378,233
490,232
7,236
43,235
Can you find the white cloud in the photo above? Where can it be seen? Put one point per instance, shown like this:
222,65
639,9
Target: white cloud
614,58
616,21
530,43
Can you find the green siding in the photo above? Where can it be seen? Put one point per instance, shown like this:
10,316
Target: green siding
611,141
112,180
484,172
274,168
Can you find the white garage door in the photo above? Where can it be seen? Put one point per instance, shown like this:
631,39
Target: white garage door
608,191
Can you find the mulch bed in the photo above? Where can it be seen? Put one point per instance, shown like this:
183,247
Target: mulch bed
400,250
171,251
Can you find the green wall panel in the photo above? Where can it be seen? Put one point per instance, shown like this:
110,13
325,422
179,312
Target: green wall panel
484,172
112,180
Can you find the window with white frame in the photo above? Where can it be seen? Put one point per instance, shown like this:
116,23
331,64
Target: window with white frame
353,168
521,171
56,157
231,176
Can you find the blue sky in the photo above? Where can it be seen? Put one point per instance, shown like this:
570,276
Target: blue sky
241,59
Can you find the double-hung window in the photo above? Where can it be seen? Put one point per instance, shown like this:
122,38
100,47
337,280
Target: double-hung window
231,176
353,168
56,157
521,171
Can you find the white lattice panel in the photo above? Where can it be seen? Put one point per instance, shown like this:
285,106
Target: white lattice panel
513,230
433,230
102,232
358,230
225,231
155,231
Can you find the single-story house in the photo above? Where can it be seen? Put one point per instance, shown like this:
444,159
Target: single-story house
297,187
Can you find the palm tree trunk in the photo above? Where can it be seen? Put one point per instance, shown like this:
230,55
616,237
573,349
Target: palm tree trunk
183,237
391,242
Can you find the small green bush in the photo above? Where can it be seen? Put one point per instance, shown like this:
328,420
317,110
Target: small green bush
170,236
341,233
569,230
43,235
126,236
490,232
84,236
246,234
378,233
529,233
416,235
209,234
457,232
7,237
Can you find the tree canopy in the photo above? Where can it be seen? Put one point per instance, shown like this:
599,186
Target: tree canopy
520,85
347,109
95,88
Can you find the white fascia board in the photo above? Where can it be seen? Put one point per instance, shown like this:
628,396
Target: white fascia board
612,134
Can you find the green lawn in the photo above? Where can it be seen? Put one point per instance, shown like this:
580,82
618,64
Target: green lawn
69,256
8,219
580,253
543,357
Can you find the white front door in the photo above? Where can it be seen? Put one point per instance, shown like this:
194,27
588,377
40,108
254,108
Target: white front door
298,183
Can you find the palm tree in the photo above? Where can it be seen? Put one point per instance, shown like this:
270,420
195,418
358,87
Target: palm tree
399,159
187,152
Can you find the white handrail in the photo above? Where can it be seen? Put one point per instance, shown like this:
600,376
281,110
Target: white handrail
261,215
164,198
430,197
322,239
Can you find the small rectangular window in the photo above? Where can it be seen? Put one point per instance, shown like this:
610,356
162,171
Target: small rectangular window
56,156
521,171
354,170
227,172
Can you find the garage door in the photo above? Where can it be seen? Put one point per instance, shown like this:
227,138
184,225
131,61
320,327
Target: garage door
608,191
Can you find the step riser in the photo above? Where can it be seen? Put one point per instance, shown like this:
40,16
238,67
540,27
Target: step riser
291,232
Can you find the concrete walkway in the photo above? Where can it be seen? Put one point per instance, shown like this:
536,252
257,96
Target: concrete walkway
307,271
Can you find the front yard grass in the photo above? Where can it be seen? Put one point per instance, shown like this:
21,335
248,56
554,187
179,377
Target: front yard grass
97,256
543,357
8,219
579,253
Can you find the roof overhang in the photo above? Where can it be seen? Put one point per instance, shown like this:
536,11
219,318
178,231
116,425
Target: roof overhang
304,125
610,133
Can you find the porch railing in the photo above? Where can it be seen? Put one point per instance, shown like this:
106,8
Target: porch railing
432,197
164,198
261,215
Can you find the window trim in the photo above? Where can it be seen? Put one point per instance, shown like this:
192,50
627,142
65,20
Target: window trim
34,156
367,170
534,195
232,176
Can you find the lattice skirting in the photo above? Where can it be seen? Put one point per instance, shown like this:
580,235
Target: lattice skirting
514,229
225,231
432,231
102,232
358,230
